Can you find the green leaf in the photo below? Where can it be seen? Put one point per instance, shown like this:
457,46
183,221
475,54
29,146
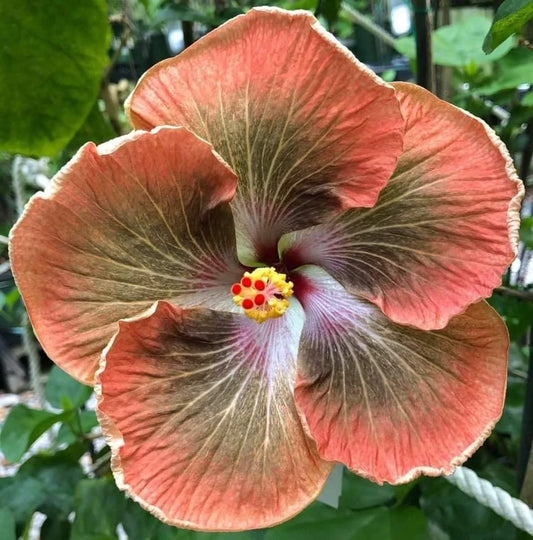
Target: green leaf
510,17
11,297
98,506
511,421
330,11
60,386
54,529
460,516
383,523
516,313
23,427
44,483
316,522
528,99
358,493
22,496
7,524
58,475
96,128
67,433
514,69
53,56
458,45
139,524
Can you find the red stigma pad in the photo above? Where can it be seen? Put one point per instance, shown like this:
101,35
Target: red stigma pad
247,303
259,285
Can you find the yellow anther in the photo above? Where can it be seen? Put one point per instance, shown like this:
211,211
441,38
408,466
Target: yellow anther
262,294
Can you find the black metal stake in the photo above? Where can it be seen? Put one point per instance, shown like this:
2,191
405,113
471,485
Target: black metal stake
425,72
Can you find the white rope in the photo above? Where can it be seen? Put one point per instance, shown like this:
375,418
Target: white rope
30,171
514,510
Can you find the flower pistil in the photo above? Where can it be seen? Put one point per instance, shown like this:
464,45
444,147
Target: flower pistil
263,294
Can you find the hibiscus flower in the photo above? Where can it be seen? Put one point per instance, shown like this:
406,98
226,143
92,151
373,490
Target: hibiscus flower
287,273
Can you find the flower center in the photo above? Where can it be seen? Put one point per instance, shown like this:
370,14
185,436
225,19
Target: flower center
262,294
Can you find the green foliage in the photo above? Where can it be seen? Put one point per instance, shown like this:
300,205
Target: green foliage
23,427
458,45
98,507
96,128
330,11
81,424
322,522
50,70
358,493
55,529
510,17
44,483
7,524
64,392
512,70
139,524
457,514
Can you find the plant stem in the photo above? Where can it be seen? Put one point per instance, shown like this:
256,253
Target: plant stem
362,20
515,293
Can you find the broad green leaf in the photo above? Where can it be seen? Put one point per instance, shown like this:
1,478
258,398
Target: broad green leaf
11,297
458,45
358,493
383,523
54,529
7,524
510,17
53,56
44,483
23,427
511,421
500,475
407,523
64,392
330,11
512,70
139,524
528,98
58,475
96,128
331,524
460,516
516,313
22,496
67,433
98,506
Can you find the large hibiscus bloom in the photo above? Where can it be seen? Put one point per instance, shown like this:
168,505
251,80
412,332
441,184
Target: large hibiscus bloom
343,321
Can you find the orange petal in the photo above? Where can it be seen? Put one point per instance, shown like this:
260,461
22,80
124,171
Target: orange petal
393,402
199,412
141,218
308,129
443,230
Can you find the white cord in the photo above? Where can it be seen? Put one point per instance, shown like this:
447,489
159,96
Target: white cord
27,170
514,510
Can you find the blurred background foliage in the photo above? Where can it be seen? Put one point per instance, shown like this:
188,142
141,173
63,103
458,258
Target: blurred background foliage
65,70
